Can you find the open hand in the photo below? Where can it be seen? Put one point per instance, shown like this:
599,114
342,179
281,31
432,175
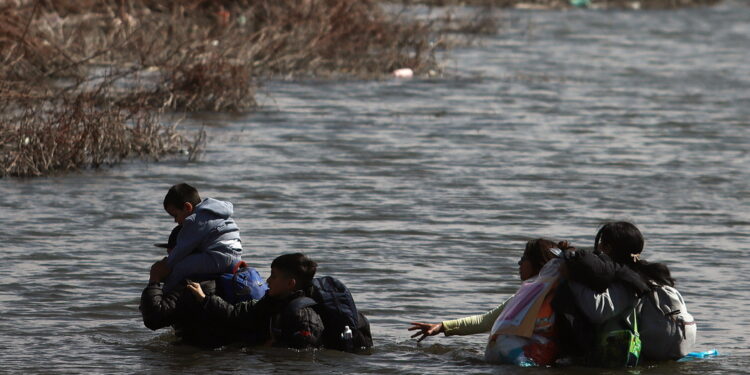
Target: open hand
426,329
197,291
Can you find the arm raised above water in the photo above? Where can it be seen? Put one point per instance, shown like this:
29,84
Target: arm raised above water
469,325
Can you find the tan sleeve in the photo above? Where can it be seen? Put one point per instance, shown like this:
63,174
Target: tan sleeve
473,324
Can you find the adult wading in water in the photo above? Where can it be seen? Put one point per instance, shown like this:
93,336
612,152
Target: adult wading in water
541,348
613,282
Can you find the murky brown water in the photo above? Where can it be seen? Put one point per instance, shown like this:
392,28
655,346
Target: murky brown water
419,194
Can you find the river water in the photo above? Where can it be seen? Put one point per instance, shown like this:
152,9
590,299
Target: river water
419,194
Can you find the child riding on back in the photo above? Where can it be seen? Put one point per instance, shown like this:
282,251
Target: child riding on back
209,240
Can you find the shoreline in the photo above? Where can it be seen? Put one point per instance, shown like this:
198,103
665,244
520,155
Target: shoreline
568,4
173,57
196,56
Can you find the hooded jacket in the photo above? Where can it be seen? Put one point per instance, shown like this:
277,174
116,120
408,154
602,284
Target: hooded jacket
208,228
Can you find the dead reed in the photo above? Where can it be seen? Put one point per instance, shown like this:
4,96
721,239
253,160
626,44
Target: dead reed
78,132
562,4
58,112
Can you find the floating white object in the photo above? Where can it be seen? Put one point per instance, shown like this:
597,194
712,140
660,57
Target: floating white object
403,73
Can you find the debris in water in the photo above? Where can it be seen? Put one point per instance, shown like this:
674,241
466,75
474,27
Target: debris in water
403,73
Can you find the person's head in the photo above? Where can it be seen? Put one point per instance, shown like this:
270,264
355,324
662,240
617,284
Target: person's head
621,241
180,201
172,242
289,273
537,253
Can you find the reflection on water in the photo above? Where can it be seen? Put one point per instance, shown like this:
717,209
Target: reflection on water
419,194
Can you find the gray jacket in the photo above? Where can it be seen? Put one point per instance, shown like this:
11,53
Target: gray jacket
208,228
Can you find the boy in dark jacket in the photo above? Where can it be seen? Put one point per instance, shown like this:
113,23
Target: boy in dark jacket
283,317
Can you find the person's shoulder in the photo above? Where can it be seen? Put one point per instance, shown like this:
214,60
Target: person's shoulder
308,324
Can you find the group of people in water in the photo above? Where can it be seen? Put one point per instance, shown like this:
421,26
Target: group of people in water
183,287
584,300
605,306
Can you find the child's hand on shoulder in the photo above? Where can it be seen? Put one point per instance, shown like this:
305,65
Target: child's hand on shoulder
197,291
159,271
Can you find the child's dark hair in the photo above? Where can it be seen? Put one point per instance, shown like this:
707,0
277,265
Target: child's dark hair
180,194
538,252
625,242
297,266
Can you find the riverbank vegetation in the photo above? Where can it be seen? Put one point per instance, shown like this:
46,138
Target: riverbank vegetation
83,82
564,4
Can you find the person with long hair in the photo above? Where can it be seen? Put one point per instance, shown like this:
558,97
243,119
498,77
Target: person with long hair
543,350
610,282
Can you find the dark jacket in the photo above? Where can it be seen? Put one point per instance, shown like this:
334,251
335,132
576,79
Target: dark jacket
271,320
596,271
181,310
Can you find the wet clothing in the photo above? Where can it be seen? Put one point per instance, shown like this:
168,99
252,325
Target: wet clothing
270,320
540,349
208,243
181,310
296,327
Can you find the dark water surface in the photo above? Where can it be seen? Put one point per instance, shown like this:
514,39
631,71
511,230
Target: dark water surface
419,194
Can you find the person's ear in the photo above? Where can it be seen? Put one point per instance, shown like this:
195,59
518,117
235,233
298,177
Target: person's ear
293,284
188,206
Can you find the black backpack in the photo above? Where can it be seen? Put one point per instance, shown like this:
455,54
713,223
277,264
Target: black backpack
346,328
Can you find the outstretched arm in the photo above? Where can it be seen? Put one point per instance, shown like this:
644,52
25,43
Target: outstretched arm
465,326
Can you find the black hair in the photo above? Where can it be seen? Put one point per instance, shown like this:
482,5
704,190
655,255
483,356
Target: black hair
538,252
626,243
173,237
180,194
297,266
